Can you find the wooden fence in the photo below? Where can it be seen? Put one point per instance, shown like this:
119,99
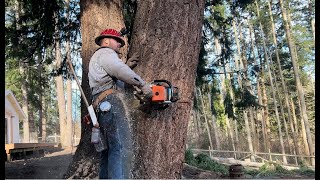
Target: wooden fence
241,155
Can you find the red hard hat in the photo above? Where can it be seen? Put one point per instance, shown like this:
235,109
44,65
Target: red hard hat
110,33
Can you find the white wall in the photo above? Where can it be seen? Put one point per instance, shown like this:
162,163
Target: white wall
15,124
12,123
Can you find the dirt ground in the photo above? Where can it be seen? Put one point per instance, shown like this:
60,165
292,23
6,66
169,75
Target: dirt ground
50,166
53,165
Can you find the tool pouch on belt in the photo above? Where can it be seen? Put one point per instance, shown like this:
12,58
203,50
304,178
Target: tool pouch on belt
102,106
105,105
100,97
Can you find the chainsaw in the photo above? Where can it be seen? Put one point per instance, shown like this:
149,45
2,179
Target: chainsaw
163,94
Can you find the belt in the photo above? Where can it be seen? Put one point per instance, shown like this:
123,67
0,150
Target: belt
101,96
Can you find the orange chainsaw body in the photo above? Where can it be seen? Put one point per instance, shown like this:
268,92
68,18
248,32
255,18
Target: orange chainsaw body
159,93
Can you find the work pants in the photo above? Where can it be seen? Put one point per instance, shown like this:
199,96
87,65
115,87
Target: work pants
115,162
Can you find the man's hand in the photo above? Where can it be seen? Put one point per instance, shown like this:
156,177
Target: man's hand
132,62
147,91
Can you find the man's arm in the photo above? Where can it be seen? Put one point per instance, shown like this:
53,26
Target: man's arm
115,67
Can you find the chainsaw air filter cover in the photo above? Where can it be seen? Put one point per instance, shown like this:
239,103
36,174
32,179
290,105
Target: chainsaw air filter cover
159,93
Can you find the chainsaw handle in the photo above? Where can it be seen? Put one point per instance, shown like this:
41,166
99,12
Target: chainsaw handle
165,81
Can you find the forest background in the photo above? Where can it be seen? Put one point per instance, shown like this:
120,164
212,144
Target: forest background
255,77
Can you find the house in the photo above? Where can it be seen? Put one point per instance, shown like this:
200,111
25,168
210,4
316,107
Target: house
13,115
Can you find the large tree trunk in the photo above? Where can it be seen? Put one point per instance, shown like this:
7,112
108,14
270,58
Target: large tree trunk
266,54
303,132
230,90
248,130
274,101
193,130
40,68
264,100
238,69
214,124
60,90
33,134
283,84
260,111
281,106
296,129
311,19
25,102
237,137
23,72
239,53
246,86
69,132
167,36
223,97
96,16
44,120
200,141
204,115
253,129
299,87
69,128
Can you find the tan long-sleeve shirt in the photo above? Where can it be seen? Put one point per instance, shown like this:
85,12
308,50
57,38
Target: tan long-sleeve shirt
105,67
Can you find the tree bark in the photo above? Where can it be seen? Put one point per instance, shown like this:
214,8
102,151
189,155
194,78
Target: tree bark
205,116
281,107
245,116
264,100
246,86
95,16
239,54
283,84
23,73
253,127
257,128
25,108
41,118
230,90
237,136
214,125
303,132
200,140
311,19
295,125
195,129
224,86
266,54
44,120
60,89
167,36
260,111
69,129
299,87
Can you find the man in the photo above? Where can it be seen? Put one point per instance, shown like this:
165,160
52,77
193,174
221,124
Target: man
106,75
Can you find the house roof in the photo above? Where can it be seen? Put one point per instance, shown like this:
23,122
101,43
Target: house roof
10,97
